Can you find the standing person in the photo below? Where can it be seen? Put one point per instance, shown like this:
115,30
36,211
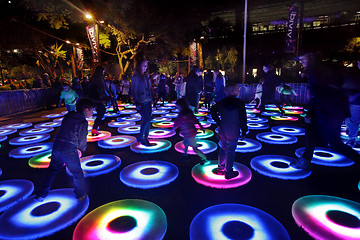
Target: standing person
285,94
219,86
209,86
193,88
230,116
112,91
69,96
171,85
125,87
76,86
178,82
85,85
186,120
142,94
258,94
161,89
72,135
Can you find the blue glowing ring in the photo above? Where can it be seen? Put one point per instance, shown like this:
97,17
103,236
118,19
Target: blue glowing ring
206,146
133,119
200,118
111,114
119,141
29,139
161,119
296,131
149,174
121,124
13,191
136,115
236,221
157,112
7,131
166,108
247,145
157,145
134,129
175,110
3,138
53,115
277,166
204,109
250,115
64,112
30,150
170,115
48,124
327,217
161,133
202,135
293,107
249,105
276,138
58,119
257,120
0,169
267,114
33,219
17,125
127,111
284,118
257,126
327,157
36,131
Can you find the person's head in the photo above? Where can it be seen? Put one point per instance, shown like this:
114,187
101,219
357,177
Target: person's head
232,89
267,68
66,86
141,67
99,73
75,80
85,106
84,79
198,71
182,105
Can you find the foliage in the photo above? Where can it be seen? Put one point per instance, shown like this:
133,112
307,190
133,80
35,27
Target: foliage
225,59
167,67
104,40
353,48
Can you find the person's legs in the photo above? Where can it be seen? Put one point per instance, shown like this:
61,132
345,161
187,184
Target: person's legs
352,124
72,162
193,144
222,155
100,111
230,155
145,110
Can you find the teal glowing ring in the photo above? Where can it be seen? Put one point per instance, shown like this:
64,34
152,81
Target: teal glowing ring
205,146
3,138
121,124
257,120
119,141
17,125
161,119
36,131
284,118
170,115
48,124
168,124
133,119
30,150
269,114
257,126
157,112
29,139
157,145
161,133
53,115
7,131
131,106
42,160
134,129
202,135
276,138
296,131
127,111
246,145
13,191
111,114
327,157
101,136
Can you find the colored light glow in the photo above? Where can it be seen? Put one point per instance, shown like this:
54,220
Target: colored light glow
205,146
170,115
166,108
293,107
120,141
203,109
134,129
202,135
159,173
35,131
121,124
257,120
327,157
64,112
131,106
156,112
284,118
276,138
133,119
161,119
136,115
29,139
30,150
42,160
112,114
250,115
48,124
53,115
200,118
7,131
163,124
102,135
203,124
29,226
127,111
17,125
288,130
161,133
249,105
311,213
277,166
175,110
201,114
58,119
293,112
257,126
172,104
157,145
253,110
267,114
272,108
246,145
203,174
149,218
3,138
15,191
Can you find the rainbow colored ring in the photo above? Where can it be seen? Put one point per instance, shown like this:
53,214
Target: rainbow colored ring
246,145
296,131
149,174
170,115
102,135
112,114
161,119
257,120
277,166
134,129
272,108
3,138
119,141
202,135
267,114
327,217
33,219
205,146
13,191
48,124
276,138
30,150
161,133
203,174
236,221
253,110
53,115
17,125
257,126
204,124
157,145
129,118
129,219
29,139
42,160
121,124
201,114
295,112
168,124
127,111
7,131
284,118
36,131
327,157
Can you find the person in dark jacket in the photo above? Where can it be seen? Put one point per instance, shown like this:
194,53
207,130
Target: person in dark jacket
72,135
219,86
193,87
230,115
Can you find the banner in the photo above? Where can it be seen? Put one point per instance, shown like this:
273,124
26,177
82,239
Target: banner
291,30
80,57
193,53
91,31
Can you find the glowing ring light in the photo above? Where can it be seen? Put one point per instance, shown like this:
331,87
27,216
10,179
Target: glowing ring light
42,160
293,112
250,115
272,108
246,145
17,125
277,166
127,111
7,131
327,157
0,168
13,191
257,126
161,119
276,138
95,165
30,150
166,108
201,135
149,174
171,104
205,146
204,109
58,119
3,138
284,118
249,105
288,130
121,124
48,124
156,112
236,221
327,217
111,114
175,110
254,110
131,106
200,118
53,115
102,135
257,120
133,119
203,174
269,114
129,219
163,124
33,219
35,131
200,114
29,139
170,115
136,115
157,145
203,124
293,108
161,133
134,129
119,141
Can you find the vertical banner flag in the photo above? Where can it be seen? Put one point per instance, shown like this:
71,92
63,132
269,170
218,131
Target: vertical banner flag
91,31
193,53
291,30
80,57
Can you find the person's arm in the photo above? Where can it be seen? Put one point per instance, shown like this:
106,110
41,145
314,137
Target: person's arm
61,98
214,114
176,123
243,120
82,138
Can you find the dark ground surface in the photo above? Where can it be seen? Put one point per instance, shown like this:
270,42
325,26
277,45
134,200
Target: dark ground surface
183,199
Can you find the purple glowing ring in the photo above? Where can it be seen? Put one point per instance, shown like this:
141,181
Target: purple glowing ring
134,129
149,174
157,145
296,131
277,166
327,157
119,141
30,150
53,115
157,112
203,109
42,160
170,115
250,115
257,126
103,135
171,104
203,124
7,131
161,133
3,138
166,108
203,174
36,131
99,164
267,114
246,145
236,221
29,139
48,124
284,118
168,124
327,217
127,111
257,120
129,219
121,124
202,135
161,119
205,146
136,115
17,125
111,114
33,219
13,191
276,138
175,110
133,119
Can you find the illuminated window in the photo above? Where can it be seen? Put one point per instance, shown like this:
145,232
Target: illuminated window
272,28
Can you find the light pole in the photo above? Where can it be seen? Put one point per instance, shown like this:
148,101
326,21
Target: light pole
244,43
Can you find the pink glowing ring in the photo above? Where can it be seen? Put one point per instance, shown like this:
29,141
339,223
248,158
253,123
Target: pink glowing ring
205,146
257,120
204,124
327,217
129,219
48,124
157,145
30,150
111,114
132,119
327,157
296,131
13,191
36,131
53,115
257,126
254,110
134,129
161,133
3,138
247,145
276,138
42,160
269,114
284,118
17,125
103,135
121,124
7,131
202,135
29,139
119,141
203,174
127,111
168,124
161,119
170,115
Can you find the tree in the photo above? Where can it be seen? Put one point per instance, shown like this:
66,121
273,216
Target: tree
353,48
